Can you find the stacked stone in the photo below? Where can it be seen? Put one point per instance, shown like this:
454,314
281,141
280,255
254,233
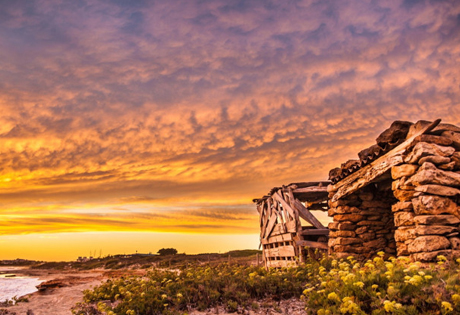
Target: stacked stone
362,223
427,216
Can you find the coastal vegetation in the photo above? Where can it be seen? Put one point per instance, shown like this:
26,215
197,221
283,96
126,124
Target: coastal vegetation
327,286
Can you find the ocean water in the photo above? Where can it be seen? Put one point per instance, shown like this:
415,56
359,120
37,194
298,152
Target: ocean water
15,286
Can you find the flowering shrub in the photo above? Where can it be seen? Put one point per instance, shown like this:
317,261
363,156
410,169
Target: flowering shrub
201,287
376,286
328,286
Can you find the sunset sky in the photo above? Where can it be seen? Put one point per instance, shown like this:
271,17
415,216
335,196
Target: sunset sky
135,125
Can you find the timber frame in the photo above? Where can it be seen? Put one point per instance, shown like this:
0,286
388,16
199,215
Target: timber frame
288,230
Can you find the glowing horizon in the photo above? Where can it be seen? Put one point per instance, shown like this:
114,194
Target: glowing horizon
140,117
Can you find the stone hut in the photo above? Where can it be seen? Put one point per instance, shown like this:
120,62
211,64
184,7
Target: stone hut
401,197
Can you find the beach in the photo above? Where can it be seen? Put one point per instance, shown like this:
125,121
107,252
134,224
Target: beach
63,290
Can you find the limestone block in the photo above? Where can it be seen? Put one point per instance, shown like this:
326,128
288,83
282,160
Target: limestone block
423,149
353,217
348,240
402,206
454,243
435,159
403,234
338,210
438,190
454,136
447,167
350,249
404,218
401,183
429,174
403,195
374,217
377,243
367,236
441,140
361,230
434,205
347,226
370,223
428,243
354,210
431,256
456,159
344,233
445,219
434,229
401,249
333,225
343,202
403,170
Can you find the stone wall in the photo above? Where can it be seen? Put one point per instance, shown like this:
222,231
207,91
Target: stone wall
427,215
363,222
414,213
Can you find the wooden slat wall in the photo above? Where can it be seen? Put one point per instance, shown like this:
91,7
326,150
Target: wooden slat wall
281,228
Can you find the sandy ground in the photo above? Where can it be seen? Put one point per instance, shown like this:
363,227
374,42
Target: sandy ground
57,300
69,291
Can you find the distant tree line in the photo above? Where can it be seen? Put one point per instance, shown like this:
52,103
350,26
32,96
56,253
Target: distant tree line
167,251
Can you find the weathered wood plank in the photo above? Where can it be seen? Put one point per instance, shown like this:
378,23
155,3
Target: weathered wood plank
279,228
312,244
290,195
310,189
315,232
291,227
365,175
270,226
286,237
282,251
307,216
284,204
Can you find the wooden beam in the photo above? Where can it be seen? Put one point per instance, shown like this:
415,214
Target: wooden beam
270,226
315,232
307,216
296,213
312,244
310,189
283,202
368,173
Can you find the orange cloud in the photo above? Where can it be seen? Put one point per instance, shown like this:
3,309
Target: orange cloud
156,115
